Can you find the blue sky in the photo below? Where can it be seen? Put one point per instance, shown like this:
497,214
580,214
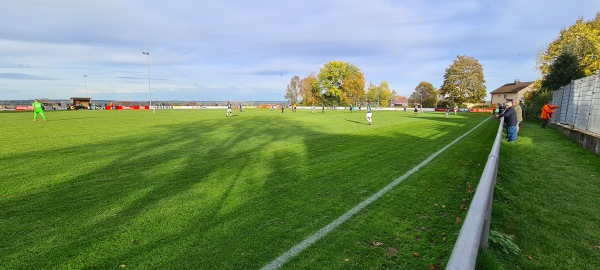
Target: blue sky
249,50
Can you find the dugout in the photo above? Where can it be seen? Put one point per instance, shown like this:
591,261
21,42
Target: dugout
78,103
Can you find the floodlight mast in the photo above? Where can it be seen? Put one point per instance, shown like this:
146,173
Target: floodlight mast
85,81
148,65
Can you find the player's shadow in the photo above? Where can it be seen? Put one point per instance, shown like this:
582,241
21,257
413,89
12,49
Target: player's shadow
354,121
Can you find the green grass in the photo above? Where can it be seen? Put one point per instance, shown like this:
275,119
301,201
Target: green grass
547,200
197,190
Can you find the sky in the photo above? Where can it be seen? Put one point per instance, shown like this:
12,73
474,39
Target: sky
243,50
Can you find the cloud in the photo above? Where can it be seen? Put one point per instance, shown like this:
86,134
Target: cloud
22,76
234,48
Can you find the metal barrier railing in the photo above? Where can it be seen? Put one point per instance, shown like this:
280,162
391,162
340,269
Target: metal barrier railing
475,230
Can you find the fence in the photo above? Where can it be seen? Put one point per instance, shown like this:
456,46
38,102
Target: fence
475,230
579,104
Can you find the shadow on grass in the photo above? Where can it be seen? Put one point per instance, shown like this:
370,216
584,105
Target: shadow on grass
228,195
357,122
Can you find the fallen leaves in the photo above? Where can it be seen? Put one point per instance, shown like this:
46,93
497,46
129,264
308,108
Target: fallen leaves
391,252
530,258
463,206
469,187
377,244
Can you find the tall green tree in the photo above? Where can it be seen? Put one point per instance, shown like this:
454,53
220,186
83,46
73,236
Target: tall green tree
293,90
426,93
565,68
464,81
582,40
337,80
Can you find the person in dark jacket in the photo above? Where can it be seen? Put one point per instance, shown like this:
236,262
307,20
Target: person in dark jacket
510,120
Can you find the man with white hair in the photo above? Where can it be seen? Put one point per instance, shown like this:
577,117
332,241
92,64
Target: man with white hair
519,111
510,120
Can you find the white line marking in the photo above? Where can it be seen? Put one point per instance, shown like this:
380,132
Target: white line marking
285,257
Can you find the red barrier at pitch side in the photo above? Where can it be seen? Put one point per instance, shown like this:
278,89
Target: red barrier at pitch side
132,107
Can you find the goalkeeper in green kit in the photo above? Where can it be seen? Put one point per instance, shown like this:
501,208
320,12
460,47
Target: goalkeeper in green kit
38,108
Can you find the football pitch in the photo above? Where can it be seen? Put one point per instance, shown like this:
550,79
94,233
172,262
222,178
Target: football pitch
193,189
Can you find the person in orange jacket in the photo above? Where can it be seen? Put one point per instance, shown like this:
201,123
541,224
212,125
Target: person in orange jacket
547,112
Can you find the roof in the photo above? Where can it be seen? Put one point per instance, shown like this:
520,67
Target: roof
400,100
511,87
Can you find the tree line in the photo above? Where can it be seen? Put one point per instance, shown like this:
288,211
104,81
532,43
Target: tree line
340,83
574,54
337,84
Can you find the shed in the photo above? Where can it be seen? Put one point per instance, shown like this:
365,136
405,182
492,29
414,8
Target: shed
80,103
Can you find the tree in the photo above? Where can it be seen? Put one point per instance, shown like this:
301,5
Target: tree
582,40
385,94
464,81
293,90
372,93
310,95
564,69
426,94
574,54
353,88
382,94
337,81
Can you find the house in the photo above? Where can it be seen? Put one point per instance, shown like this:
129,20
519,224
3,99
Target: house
510,91
400,101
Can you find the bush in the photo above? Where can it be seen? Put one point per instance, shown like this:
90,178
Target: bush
443,103
534,101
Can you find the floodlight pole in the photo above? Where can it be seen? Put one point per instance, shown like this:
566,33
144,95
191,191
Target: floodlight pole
148,65
85,81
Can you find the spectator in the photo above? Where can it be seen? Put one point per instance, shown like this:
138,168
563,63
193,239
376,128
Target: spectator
510,120
500,109
522,108
519,112
547,112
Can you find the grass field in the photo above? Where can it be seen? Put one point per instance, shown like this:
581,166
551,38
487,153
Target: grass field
196,190
547,200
